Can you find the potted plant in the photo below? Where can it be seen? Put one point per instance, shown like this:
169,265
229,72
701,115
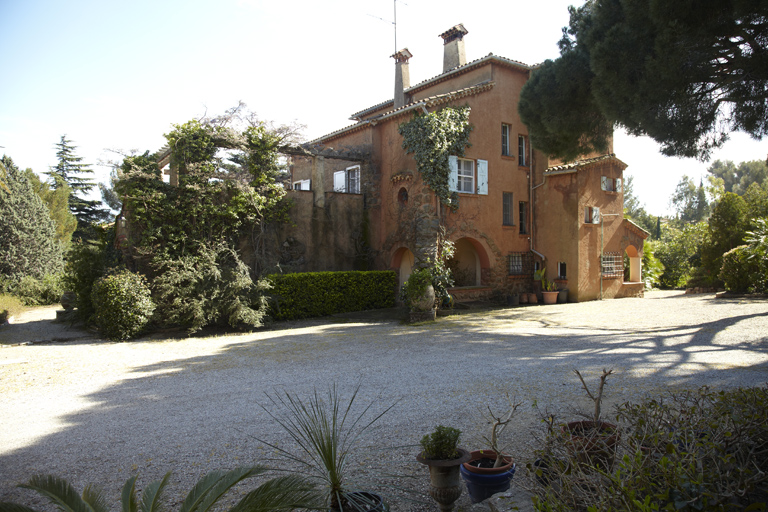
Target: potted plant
594,441
418,294
548,290
490,471
325,429
441,453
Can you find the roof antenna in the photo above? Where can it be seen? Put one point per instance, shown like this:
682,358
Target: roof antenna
392,22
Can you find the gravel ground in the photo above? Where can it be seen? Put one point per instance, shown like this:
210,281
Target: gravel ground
98,412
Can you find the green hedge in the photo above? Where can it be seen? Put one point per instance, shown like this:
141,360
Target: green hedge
309,294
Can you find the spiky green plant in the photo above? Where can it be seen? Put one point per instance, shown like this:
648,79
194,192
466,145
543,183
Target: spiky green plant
281,493
325,428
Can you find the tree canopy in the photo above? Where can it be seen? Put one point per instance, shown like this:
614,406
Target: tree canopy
71,170
57,200
728,177
686,73
28,246
690,201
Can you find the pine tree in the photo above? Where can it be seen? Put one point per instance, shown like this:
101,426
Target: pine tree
28,245
74,173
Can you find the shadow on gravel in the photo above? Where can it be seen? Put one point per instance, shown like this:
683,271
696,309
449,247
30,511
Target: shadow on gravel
200,413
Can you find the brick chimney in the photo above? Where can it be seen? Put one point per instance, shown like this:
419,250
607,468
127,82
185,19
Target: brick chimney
453,51
402,76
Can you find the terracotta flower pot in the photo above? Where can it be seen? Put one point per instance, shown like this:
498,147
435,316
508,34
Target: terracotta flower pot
549,297
592,443
532,298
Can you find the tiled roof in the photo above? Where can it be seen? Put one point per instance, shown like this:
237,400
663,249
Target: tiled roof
643,231
432,101
444,76
579,164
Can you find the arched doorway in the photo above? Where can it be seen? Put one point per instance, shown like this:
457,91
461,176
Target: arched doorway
469,260
635,263
403,260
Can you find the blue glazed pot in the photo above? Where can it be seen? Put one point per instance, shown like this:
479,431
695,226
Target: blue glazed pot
482,486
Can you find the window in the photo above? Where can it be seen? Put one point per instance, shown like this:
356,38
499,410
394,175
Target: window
561,274
523,217
610,184
301,185
612,264
522,150
507,209
520,264
466,175
347,181
462,176
591,215
505,139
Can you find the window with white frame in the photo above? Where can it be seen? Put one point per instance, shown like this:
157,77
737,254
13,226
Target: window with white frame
561,270
591,215
505,139
347,181
610,184
467,178
522,150
507,209
301,185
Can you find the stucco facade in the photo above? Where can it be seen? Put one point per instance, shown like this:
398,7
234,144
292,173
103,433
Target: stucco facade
516,210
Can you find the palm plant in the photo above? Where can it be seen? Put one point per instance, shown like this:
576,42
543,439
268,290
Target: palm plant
325,428
281,493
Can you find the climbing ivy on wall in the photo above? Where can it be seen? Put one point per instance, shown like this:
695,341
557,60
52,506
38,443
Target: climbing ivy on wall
433,137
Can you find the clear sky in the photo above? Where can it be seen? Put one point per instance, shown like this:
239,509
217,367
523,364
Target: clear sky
117,75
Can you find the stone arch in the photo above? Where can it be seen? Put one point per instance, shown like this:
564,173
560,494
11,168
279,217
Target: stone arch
403,261
635,264
469,263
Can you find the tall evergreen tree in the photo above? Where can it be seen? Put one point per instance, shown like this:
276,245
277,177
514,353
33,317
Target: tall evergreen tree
690,201
56,198
28,245
74,173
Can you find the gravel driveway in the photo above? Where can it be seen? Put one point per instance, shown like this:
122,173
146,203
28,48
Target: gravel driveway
98,412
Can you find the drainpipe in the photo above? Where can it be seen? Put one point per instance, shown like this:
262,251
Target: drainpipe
530,181
603,215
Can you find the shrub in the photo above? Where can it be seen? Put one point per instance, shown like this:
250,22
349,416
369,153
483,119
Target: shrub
310,294
87,261
212,287
415,286
652,267
689,451
39,292
442,444
739,271
122,304
9,306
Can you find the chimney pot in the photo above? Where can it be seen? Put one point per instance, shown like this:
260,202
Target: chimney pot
402,76
453,51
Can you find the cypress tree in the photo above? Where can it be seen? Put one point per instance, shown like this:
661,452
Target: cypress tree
28,245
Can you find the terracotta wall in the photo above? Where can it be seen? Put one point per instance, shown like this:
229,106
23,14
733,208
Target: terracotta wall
320,238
